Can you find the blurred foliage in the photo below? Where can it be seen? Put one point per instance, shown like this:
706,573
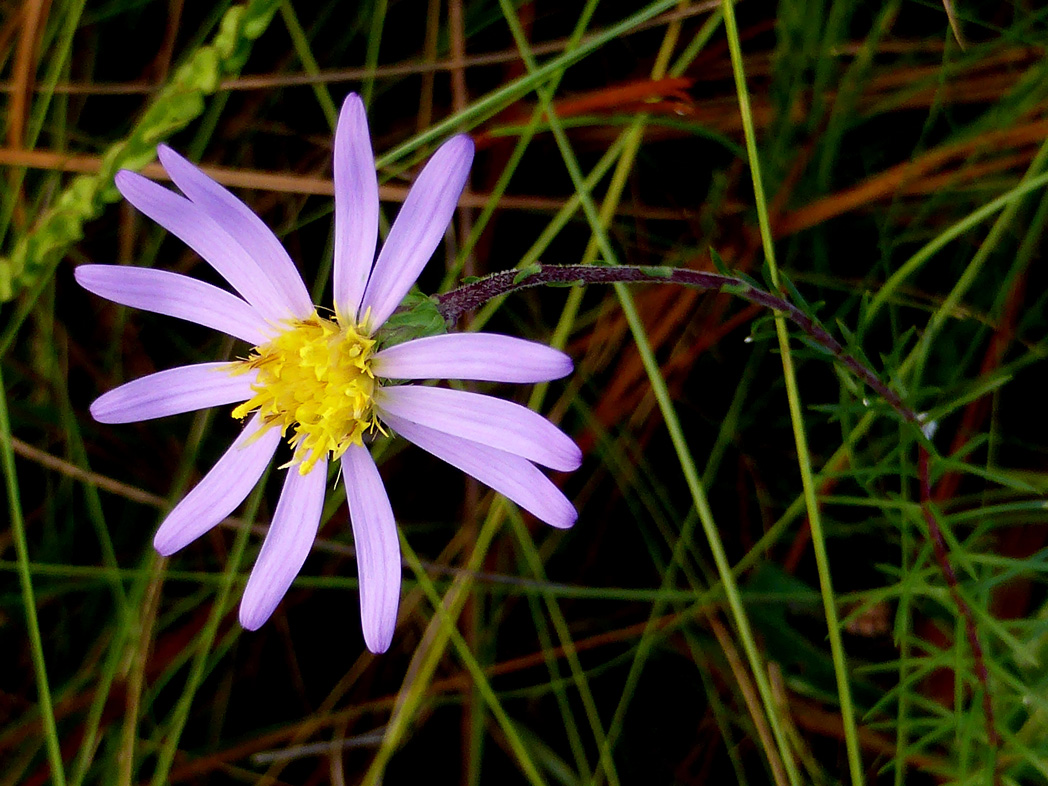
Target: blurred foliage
179,102
902,148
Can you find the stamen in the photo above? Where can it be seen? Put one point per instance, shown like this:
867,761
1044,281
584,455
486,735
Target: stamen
314,381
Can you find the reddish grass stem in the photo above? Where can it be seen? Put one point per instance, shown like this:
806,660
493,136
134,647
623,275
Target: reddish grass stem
473,294
942,558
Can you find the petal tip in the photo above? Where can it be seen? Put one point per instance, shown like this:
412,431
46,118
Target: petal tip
250,618
575,458
463,147
465,141
163,544
561,514
168,157
134,187
125,178
568,521
377,647
378,637
352,116
98,412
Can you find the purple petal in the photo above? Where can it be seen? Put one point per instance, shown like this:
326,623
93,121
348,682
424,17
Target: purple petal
418,229
512,476
247,229
170,392
201,233
356,207
221,491
488,420
287,543
483,356
163,292
378,550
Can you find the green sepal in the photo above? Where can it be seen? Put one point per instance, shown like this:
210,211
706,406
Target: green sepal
417,316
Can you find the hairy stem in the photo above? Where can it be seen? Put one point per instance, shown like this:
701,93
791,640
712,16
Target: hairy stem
475,293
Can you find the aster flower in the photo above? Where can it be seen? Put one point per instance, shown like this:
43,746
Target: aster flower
327,384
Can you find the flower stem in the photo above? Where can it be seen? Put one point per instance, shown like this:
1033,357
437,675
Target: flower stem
469,296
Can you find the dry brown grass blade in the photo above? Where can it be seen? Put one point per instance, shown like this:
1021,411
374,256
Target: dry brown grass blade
508,56
34,14
646,95
901,176
750,698
308,185
70,470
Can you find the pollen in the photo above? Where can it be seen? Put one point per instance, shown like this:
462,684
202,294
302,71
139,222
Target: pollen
315,383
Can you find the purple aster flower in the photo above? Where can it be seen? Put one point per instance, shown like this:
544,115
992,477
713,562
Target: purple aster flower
324,384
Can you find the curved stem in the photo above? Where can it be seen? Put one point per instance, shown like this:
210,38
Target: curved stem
469,296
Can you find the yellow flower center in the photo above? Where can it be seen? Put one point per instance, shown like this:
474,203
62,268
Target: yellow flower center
315,381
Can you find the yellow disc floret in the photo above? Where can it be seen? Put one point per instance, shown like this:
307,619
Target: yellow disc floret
314,381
